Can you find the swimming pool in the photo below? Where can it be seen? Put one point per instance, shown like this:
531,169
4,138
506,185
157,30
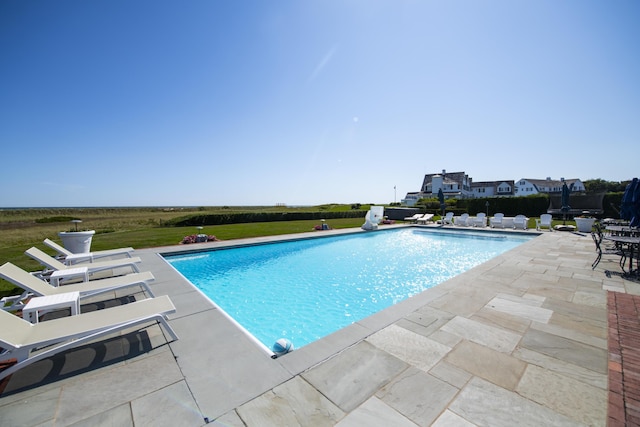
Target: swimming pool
303,290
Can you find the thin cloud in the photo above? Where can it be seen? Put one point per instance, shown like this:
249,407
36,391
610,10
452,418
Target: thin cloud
322,64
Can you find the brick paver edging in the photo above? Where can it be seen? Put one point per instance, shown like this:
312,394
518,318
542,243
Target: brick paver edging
624,359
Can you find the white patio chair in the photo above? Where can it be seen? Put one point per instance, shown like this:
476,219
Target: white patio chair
496,220
520,222
480,220
544,221
448,218
462,220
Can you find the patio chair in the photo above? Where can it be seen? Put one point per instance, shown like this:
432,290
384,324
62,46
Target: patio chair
53,264
601,249
520,222
39,287
63,253
496,220
544,221
448,218
424,219
18,337
461,220
480,220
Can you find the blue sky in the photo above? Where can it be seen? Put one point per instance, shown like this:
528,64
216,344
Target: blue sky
145,103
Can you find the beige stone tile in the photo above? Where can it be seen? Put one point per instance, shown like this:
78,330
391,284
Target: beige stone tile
485,404
293,403
445,338
571,334
579,311
570,351
590,298
502,320
375,413
230,419
449,419
354,375
594,328
480,333
450,374
499,368
463,301
410,347
576,372
418,396
520,308
575,399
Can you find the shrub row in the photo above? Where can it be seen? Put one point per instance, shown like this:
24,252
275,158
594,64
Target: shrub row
246,217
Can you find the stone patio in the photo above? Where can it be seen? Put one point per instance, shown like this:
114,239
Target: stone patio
519,340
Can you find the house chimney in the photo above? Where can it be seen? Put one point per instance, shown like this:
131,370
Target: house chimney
444,171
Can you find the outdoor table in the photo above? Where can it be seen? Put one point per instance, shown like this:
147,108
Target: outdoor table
631,242
67,300
622,230
68,273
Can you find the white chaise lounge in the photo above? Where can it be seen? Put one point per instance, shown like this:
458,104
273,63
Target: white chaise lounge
425,219
69,257
33,285
18,337
53,264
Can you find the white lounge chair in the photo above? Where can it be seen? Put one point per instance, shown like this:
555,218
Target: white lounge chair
448,218
413,218
38,287
53,264
424,219
462,220
496,220
19,337
69,257
544,221
520,222
480,220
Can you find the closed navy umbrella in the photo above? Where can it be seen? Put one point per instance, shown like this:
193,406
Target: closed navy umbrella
627,207
635,220
441,200
565,201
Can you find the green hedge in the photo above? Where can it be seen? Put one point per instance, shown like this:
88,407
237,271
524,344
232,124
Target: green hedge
247,217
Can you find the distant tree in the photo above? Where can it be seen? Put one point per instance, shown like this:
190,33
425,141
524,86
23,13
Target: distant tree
600,186
596,185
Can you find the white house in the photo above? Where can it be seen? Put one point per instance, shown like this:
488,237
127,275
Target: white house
527,187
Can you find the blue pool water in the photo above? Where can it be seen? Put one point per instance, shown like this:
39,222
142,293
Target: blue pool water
304,290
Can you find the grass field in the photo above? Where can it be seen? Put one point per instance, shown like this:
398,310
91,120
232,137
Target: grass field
136,227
